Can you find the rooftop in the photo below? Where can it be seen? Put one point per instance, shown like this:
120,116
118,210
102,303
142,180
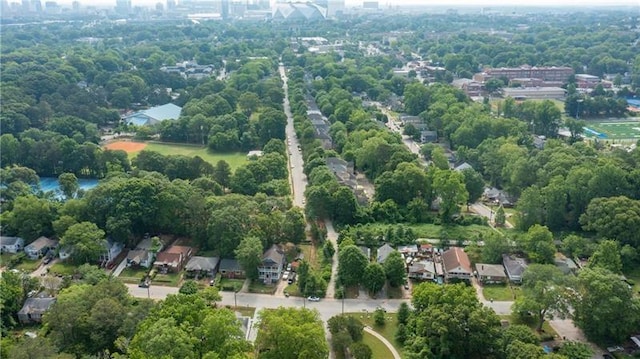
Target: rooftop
456,257
490,270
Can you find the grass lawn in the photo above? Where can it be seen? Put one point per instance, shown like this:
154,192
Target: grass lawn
169,279
497,292
4,258
234,159
230,285
388,330
614,129
293,290
133,275
379,350
311,255
259,287
28,265
63,269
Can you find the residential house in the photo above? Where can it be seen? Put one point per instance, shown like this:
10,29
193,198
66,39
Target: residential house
425,249
231,269
456,264
383,253
566,265
515,267
33,309
272,265
202,266
11,244
40,247
173,259
428,136
490,273
408,250
112,250
143,255
423,270
462,167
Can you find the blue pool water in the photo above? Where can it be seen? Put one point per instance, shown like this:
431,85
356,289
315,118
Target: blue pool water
51,184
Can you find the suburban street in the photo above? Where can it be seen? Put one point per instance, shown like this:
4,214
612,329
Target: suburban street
297,178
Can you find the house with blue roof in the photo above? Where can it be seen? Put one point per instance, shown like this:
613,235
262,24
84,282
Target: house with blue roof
153,115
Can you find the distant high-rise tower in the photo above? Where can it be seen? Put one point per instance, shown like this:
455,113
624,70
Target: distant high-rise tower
224,9
123,7
171,4
75,6
36,6
334,7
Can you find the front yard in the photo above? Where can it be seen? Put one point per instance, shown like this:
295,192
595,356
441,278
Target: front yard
230,285
133,275
62,269
259,287
28,265
500,292
169,279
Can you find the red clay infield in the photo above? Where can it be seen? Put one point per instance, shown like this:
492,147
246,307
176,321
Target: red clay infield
126,146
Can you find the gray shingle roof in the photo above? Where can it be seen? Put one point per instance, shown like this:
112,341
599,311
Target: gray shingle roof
202,263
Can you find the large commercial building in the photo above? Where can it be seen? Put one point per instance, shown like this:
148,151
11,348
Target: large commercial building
547,74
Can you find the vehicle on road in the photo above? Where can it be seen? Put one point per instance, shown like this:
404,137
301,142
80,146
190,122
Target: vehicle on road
313,299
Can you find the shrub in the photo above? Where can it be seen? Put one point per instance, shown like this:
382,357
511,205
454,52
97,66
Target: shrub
378,317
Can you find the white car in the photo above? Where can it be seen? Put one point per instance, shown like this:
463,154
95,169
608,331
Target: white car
313,299
285,276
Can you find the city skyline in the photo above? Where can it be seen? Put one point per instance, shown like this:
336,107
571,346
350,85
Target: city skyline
439,3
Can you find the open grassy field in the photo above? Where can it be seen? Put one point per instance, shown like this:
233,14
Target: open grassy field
388,330
379,350
499,292
495,101
622,129
234,159
453,232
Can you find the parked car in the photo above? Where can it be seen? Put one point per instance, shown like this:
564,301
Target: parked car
292,278
285,276
47,260
313,299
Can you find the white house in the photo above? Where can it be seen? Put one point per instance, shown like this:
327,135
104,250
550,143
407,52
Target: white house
40,247
11,244
456,264
423,270
112,249
272,265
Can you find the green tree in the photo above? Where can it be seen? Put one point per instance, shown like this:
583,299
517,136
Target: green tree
544,293
249,254
449,187
576,350
538,243
222,173
31,217
616,218
500,217
607,256
164,339
360,351
394,267
519,332
291,333
68,184
189,287
474,184
574,246
38,347
450,322
11,297
86,241
374,278
604,306
379,317
494,247
403,313
351,265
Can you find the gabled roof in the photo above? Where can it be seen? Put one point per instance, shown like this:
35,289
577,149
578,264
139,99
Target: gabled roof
515,266
230,264
384,252
202,263
424,266
273,255
137,255
36,305
455,257
490,270
10,241
463,167
41,243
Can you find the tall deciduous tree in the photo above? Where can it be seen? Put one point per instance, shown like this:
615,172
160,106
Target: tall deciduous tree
249,254
607,256
31,217
68,184
394,267
538,243
86,240
616,218
374,277
604,306
291,333
449,187
544,293
351,265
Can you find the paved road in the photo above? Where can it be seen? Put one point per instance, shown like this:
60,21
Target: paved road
297,178
332,237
